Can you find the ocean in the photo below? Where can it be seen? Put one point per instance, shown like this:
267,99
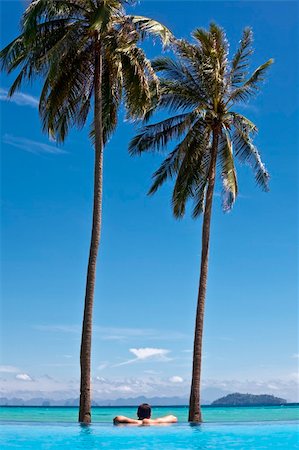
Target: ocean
106,414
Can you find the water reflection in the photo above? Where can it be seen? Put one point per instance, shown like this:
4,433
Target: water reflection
87,438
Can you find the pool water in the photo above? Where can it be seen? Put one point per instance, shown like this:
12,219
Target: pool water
225,436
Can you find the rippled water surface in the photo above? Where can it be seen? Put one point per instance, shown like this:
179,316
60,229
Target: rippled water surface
253,428
254,436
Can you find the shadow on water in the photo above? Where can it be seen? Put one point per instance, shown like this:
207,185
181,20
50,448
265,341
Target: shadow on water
196,425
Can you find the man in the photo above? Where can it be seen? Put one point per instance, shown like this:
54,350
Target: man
144,413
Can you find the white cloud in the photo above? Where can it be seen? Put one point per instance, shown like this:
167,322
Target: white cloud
145,353
295,355
149,386
8,369
19,98
36,147
23,377
123,388
176,379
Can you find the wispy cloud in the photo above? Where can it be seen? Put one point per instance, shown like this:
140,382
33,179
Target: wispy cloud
9,369
295,355
122,333
31,146
146,353
115,333
103,365
19,98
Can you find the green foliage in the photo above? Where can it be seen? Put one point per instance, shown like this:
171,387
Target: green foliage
238,399
202,88
58,43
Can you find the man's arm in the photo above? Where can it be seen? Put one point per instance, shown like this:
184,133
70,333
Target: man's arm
165,419
124,419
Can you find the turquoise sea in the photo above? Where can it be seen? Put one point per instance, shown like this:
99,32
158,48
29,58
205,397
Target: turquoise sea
254,428
106,414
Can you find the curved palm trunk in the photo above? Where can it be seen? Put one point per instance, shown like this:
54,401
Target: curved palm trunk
85,354
194,402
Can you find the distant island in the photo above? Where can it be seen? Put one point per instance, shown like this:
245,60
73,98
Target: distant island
238,399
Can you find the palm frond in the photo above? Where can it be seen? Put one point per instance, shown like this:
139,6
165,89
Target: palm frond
102,15
243,123
67,94
192,170
252,85
177,96
228,171
146,26
138,80
168,169
40,11
240,61
202,184
220,44
189,52
204,39
13,54
156,136
247,153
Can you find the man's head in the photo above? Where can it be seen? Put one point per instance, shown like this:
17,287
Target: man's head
144,411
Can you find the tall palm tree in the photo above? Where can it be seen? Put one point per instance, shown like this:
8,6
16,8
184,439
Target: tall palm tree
202,87
87,53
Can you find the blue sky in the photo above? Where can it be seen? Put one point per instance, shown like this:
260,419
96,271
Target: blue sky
149,263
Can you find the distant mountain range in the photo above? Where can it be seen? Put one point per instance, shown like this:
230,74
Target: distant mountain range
157,401
235,399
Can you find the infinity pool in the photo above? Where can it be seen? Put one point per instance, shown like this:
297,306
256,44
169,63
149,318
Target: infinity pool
253,436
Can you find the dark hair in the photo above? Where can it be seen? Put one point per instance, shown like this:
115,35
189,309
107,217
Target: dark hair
144,411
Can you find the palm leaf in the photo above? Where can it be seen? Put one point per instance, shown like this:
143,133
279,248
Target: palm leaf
247,153
240,61
228,171
192,169
168,169
251,86
146,26
243,123
156,136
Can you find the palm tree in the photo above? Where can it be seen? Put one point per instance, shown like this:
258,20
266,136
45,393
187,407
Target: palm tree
202,87
87,53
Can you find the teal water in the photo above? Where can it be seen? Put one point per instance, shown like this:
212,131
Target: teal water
246,436
102,414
